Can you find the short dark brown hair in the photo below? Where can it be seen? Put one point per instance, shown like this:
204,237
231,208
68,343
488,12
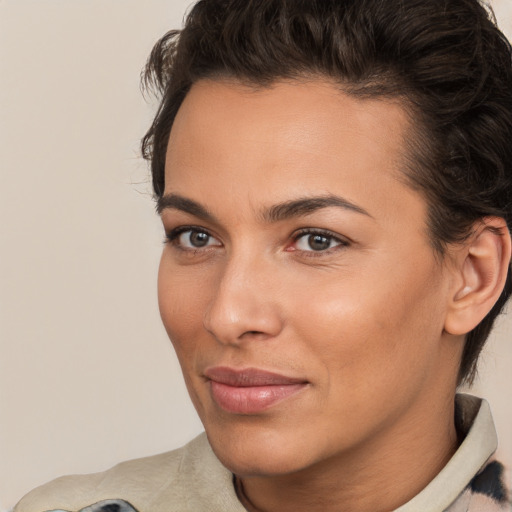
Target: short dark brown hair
445,59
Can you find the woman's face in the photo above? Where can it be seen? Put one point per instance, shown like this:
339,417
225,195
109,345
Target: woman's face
298,285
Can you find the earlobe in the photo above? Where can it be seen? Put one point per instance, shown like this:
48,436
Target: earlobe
482,266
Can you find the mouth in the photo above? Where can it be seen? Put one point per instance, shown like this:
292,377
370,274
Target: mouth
250,391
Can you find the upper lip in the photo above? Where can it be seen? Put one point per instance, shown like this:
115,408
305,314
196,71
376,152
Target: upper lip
249,377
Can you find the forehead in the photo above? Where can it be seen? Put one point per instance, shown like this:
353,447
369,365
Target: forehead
318,110
290,139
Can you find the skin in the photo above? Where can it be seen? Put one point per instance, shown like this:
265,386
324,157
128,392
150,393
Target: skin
363,321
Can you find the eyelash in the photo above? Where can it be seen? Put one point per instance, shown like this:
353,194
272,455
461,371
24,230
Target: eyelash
173,236
342,242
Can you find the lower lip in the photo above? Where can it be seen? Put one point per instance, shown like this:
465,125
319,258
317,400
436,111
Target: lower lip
253,399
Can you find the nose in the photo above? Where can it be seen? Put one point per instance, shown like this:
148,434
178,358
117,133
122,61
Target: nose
245,304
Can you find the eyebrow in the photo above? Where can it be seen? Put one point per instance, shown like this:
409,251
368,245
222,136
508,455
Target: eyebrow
307,205
177,202
279,212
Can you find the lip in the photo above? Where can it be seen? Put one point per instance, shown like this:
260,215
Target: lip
250,390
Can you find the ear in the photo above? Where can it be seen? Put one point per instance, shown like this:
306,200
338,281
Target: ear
481,267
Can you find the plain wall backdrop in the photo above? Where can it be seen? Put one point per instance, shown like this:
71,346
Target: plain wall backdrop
87,375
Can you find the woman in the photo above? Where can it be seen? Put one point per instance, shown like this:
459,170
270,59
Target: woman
333,179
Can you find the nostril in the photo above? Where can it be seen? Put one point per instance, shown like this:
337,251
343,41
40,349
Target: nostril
255,335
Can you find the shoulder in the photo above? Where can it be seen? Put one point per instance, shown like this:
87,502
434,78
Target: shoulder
136,483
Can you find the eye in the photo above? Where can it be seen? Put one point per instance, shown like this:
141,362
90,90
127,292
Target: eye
192,238
317,241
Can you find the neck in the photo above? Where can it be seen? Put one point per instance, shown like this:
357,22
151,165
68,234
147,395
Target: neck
375,477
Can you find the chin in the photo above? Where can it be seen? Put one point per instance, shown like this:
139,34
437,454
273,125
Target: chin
250,450
260,462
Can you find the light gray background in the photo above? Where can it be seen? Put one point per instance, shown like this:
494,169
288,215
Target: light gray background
87,374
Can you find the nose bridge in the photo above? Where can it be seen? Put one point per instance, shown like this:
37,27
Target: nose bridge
243,303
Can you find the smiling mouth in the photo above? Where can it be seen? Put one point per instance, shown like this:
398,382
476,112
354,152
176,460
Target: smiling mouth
250,391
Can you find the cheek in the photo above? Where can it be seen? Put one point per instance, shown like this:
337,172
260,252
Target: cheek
372,331
181,299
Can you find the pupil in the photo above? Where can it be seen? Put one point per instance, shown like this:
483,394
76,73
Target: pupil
198,239
319,242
